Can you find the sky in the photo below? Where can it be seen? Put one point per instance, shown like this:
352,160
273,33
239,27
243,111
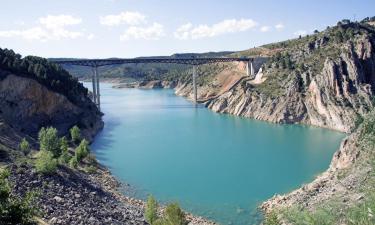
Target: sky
132,28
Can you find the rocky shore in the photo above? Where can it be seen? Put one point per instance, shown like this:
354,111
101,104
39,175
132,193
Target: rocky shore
77,197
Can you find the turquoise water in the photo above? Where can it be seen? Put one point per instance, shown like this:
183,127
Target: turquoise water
214,165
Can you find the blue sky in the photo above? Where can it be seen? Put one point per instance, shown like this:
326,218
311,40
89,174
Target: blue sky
130,28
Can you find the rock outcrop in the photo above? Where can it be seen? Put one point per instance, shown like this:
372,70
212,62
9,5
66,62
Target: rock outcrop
27,105
332,97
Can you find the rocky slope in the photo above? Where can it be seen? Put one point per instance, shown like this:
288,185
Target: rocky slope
326,80
27,105
318,80
341,195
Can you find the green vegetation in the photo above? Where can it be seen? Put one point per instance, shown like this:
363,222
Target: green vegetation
25,146
45,163
49,74
73,162
15,210
82,150
151,212
271,219
54,150
49,141
173,215
75,134
65,156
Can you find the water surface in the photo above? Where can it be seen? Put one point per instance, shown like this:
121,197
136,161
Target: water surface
214,165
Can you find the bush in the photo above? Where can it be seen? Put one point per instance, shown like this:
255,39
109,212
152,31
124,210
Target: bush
64,157
82,150
24,146
15,210
45,163
73,163
49,141
75,134
90,169
173,215
271,219
91,159
151,210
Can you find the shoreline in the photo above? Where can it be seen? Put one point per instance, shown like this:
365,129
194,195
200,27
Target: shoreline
117,185
262,205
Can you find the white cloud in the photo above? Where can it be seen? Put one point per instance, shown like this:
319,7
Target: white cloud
300,32
129,18
188,31
279,26
153,32
183,32
57,22
90,37
48,28
265,28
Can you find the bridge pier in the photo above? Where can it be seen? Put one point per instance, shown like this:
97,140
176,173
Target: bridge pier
195,83
95,86
250,69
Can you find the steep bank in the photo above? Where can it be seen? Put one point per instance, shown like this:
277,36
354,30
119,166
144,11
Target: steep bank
344,194
326,80
27,106
35,93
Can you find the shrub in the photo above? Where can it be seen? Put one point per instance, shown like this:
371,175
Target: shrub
49,141
45,163
151,210
15,210
90,169
73,163
91,159
173,215
75,134
64,157
82,150
271,219
24,146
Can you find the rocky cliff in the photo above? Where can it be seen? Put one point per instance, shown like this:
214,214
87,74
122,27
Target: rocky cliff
320,80
27,105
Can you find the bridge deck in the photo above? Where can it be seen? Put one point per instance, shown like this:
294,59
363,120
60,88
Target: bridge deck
186,61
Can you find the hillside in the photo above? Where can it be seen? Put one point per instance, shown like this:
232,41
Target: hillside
35,93
326,79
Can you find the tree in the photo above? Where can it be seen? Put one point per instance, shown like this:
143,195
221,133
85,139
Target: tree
82,150
151,210
15,210
64,157
73,163
45,163
75,133
49,141
173,215
24,146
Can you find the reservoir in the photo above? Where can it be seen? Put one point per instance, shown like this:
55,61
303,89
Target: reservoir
217,166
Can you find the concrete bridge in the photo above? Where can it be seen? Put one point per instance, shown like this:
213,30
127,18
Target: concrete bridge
195,62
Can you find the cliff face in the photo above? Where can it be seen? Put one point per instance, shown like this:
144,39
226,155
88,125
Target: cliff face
27,105
327,84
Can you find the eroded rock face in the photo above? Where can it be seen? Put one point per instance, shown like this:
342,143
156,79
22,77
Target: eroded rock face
332,99
26,106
